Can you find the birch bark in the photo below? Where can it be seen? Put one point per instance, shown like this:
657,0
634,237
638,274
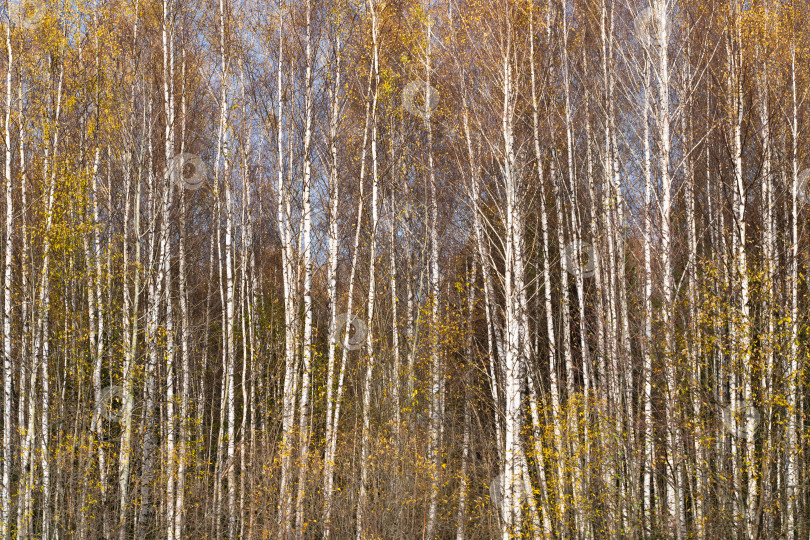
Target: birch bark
8,375
306,240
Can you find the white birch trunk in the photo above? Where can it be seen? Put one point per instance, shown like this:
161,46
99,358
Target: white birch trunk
43,323
793,372
130,336
556,412
8,456
769,255
285,521
168,110
306,240
24,506
159,195
362,501
436,367
334,192
397,376
461,514
333,422
513,360
672,438
179,510
648,462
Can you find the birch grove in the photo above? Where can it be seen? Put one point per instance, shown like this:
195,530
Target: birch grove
405,269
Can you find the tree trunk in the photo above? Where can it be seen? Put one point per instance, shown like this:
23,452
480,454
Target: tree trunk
8,374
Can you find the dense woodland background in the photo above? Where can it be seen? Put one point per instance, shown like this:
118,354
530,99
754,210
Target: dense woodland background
405,269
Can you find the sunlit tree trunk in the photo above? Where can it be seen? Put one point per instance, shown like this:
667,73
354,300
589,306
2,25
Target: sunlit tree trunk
96,334
556,411
179,511
8,375
573,419
285,520
334,421
792,372
696,470
306,248
43,318
769,269
513,358
245,318
28,395
494,334
436,363
150,336
648,461
130,336
461,514
396,379
230,308
334,192
362,502
167,35
219,443
661,38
